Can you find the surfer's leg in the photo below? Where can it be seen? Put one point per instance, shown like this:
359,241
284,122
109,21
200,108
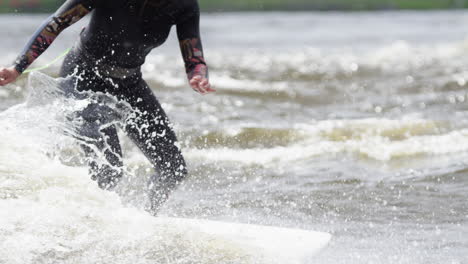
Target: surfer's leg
101,146
150,129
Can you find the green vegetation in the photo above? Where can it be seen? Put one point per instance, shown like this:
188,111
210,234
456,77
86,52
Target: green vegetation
220,5
36,6
233,5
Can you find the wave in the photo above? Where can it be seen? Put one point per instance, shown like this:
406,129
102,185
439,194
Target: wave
377,139
313,76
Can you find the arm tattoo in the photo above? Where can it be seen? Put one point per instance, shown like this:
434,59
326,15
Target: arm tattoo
192,53
47,33
188,32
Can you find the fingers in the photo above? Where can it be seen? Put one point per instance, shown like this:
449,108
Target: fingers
205,84
210,90
5,81
201,85
6,76
195,84
194,81
3,72
3,77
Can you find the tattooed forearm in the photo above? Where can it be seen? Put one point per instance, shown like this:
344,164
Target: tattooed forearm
192,53
46,34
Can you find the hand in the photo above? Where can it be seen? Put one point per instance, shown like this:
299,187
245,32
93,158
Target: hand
201,85
8,75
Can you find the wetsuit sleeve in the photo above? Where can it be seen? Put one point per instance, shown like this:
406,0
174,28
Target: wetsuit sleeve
70,12
188,33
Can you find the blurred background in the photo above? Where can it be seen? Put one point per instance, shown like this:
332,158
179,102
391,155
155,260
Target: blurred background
229,5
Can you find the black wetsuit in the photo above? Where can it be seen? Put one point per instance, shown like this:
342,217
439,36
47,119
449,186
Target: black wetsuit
107,59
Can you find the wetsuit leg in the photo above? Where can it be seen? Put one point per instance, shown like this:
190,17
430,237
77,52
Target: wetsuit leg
150,129
100,145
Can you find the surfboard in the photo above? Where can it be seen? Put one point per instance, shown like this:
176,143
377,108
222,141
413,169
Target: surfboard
266,243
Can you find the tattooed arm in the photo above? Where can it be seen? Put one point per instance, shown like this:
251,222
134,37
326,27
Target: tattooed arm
188,33
70,12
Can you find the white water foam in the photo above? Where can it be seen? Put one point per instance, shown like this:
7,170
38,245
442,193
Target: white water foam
51,212
378,139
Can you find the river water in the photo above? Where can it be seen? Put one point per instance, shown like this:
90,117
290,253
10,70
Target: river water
354,124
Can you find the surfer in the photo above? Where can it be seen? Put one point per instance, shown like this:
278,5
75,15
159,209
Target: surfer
108,59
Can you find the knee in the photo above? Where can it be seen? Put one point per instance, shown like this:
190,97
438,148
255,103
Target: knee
180,173
166,180
174,171
99,113
172,163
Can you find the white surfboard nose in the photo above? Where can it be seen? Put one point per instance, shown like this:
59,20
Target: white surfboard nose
265,244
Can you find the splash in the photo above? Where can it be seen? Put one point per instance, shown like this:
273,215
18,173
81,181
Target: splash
51,211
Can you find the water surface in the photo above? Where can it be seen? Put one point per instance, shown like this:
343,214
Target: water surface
350,123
